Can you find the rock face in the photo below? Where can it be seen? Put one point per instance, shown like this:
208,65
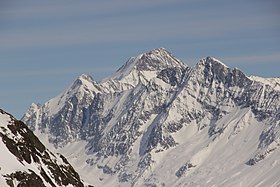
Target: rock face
159,122
26,162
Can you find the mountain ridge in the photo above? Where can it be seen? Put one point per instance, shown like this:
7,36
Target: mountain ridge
155,109
25,161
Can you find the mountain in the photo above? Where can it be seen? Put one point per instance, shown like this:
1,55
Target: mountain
25,161
159,122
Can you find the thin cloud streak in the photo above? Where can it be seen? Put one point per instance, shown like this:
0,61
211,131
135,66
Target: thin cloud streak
88,33
186,23
56,9
32,73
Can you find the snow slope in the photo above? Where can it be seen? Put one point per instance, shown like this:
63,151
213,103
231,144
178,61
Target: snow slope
26,162
159,122
272,82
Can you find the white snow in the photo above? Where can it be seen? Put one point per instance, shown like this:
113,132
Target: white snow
4,119
124,70
217,60
10,164
272,82
87,86
215,159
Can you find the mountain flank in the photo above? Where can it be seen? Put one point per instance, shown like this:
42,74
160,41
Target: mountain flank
25,161
159,122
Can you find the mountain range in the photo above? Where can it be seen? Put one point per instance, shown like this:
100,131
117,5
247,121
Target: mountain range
159,122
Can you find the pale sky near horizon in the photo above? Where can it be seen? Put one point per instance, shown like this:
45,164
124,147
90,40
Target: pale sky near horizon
45,45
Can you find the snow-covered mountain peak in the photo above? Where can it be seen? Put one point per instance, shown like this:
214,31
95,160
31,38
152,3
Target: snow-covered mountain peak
31,110
82,90
154,60
158,59
211,68
159,50
159,53
212,62
85,77
143,68
35,105
155,109
84,81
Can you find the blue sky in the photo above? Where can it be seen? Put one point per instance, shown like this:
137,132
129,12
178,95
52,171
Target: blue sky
45,45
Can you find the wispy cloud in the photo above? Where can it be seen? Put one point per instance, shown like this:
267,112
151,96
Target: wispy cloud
89,32
56,72
66,23
55,9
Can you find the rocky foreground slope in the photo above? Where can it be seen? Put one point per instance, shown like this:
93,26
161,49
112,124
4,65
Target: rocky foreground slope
25,161
159,122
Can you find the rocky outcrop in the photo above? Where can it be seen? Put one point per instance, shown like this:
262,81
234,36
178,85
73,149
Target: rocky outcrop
35,165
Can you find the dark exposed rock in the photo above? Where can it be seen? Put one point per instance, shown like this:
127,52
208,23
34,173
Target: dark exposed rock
25,179
182,170
27,148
